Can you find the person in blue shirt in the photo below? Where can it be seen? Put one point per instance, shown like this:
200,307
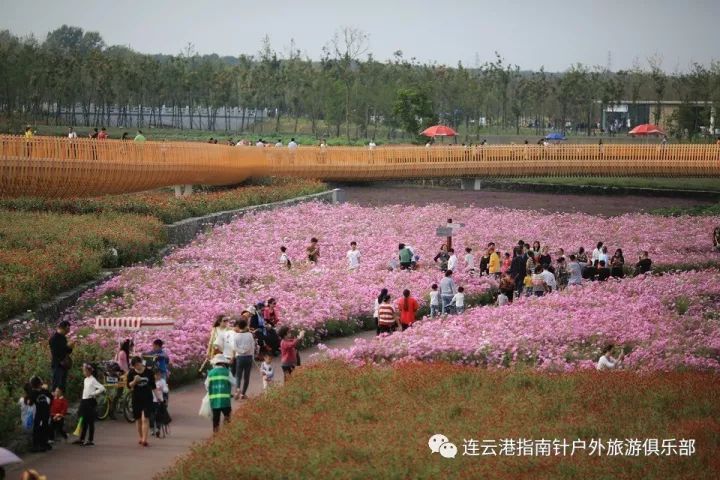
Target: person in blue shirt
160,358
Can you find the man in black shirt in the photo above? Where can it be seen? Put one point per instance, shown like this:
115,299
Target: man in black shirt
60,350
645,264
141,381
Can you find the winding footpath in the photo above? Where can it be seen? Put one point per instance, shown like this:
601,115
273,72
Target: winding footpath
117,454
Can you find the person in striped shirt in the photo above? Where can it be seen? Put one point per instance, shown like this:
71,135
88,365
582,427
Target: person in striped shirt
388,320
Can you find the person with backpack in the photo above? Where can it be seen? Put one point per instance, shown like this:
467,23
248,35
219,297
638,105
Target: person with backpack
40,397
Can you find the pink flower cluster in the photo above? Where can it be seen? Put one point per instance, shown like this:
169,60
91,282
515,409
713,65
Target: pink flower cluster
237,265
666,322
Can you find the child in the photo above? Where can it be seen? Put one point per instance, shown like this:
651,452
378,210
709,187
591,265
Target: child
284,259
41,398
313,250
434,301
507,261
502,299
353,256
88,406
27,409
58,411
288,349
527,282
266,369
459,300
159,397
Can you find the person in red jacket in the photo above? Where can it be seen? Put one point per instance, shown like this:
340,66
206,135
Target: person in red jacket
269,313
58,411
408,307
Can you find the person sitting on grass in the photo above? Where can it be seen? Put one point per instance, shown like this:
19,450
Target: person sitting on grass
313,251
644,265
603,271
288,350
606,361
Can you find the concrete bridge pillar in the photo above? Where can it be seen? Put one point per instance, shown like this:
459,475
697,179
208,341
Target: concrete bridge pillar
470,184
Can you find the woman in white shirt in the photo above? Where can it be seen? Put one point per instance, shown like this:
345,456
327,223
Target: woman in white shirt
606,361
244,351
88,406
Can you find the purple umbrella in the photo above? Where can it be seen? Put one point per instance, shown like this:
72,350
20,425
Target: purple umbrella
7,457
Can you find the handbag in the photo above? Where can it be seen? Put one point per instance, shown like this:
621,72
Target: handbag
66,363
205,410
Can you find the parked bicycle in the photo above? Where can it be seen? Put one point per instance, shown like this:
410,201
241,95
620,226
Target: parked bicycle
116,395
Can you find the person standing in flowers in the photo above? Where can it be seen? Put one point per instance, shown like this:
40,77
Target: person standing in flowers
434,301
606,361
284,259
313,251
458,300
288,350
452,260
517,269
408,308
378,301
219,384
353,256
562,275
469,260
447,291
539,287
575,270
269,312
507,286
387,319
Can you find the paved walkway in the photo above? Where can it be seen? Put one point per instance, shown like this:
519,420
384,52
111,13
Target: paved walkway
117,454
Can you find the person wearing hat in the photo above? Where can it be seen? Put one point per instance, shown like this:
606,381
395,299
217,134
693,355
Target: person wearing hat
219,384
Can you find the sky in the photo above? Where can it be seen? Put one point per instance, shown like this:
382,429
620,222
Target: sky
554,34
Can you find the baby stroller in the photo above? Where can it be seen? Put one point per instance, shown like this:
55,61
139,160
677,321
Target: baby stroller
161,420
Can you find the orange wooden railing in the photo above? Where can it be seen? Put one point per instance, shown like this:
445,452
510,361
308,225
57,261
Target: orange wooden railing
59,167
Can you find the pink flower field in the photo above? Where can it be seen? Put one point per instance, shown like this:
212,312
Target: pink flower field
666,322
238,264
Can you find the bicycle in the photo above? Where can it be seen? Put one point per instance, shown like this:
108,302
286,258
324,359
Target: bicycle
108,401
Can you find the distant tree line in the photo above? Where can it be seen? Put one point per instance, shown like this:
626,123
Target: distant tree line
346,93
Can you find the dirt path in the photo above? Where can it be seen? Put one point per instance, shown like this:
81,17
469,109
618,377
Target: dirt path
117,454
376,196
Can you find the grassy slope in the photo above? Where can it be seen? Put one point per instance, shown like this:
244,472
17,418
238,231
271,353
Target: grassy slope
333,421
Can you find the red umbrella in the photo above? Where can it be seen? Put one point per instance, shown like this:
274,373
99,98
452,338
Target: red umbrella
439,131
646,129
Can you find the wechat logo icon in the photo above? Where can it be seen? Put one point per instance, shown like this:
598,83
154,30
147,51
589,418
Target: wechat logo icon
439,443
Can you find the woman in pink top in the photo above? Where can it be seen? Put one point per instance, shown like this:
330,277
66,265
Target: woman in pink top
288,349
122,357
505,263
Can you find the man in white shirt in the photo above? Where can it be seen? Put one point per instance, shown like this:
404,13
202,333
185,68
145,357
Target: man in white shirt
606,361
225,339
278,144
596,253
452,261
549,279
71,133
353,256
292,144
372,145
469,260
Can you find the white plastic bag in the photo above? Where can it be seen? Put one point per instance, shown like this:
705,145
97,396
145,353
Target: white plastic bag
205,410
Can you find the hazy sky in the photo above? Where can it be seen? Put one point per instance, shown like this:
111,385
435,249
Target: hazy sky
529,33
